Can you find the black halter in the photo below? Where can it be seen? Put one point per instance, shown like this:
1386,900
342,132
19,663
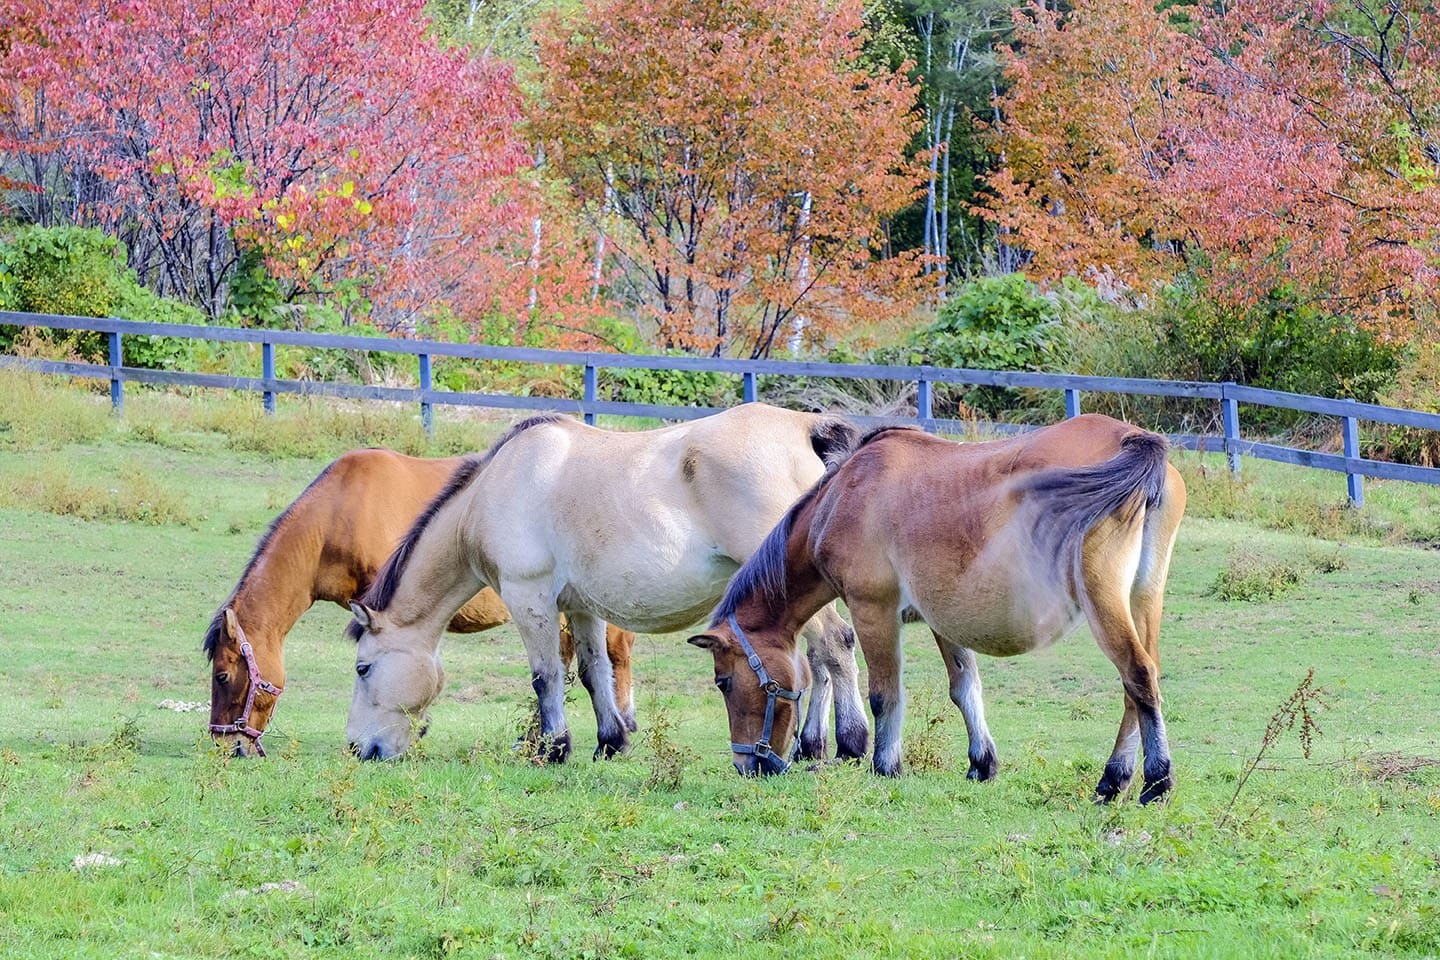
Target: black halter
771,761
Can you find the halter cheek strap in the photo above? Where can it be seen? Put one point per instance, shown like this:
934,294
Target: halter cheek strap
773,691
241,724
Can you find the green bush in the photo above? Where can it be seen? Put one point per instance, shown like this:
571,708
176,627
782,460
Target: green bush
80,272
675,388
991,323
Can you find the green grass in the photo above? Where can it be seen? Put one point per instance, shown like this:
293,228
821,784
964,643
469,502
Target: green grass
464,850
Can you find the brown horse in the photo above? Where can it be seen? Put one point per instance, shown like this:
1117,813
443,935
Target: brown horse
328,545
1000,547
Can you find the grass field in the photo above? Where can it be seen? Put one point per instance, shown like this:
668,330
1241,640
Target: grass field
117,542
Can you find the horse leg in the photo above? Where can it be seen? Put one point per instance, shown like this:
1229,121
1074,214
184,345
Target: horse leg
537,620
814,737
620,644
832,647
878,627
1109,587
966,693
598,678
1147,597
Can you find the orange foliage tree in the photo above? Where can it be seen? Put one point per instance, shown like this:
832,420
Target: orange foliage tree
1261,146
737,161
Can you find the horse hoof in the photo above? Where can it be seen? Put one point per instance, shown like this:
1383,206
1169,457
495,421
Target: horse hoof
1156,790
811,749
553,749
611,747
1112,783
982,768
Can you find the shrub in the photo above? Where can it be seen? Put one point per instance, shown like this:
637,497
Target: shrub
992,323
74,271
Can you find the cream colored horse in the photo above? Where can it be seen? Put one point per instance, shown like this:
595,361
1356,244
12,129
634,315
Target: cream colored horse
640,529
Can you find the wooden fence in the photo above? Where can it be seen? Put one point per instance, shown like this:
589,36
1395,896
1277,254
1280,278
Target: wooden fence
1230,396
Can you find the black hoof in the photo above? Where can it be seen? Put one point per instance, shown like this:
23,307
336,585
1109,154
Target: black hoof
1113,782
1156,789
552,749
812,748
852,744
612,746
887,769
983,767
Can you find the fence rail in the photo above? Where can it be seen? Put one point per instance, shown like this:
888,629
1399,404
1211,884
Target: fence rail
589,405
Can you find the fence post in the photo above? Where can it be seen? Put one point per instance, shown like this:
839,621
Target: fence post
117,386
1354,482
267,373
924,404
1230,415
589,393
1072,403
427,412
748,386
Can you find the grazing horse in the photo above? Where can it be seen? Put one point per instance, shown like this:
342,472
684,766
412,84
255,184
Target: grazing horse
1000,547
641,529
328,545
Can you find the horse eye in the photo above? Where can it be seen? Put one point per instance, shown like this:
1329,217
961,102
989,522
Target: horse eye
361,669
222,678
723,683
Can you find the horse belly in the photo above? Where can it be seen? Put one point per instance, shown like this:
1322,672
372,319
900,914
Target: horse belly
1005,603
653,593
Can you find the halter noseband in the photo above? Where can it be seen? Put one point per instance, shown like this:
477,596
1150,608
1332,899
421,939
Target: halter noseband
761,748
241,724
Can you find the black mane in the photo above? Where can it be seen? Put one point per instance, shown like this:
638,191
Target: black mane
764,572
387,581
216,629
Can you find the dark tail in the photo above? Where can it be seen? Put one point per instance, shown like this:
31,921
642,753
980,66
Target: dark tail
833,440
1077,500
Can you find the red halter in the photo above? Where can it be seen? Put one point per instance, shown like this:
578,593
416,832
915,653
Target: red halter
241,724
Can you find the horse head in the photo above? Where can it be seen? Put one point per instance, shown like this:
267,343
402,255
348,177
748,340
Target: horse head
397,676
245,684
762,695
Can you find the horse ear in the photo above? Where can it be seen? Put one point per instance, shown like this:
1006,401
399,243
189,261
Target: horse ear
705,641
362,614
232,624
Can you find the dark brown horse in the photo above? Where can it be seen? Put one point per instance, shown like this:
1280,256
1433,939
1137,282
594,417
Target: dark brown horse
1000,547
328,545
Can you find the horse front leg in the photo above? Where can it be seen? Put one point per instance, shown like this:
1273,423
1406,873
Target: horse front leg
967,694
878,627
538,622
832,647
597,676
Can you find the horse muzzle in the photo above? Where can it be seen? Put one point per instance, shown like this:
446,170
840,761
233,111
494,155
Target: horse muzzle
756,765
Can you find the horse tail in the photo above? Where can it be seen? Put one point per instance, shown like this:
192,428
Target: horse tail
1076,500
833,440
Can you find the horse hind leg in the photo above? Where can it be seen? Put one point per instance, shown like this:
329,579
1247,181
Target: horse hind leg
1114,559
967,694
831,652
598,678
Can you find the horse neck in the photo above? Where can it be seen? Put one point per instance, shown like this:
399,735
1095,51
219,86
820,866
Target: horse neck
439,577
280,584
805,592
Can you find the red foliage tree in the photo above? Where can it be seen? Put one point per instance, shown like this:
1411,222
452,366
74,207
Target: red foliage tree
338,141
1261,145
737,161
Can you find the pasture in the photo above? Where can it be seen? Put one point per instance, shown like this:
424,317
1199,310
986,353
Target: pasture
118,541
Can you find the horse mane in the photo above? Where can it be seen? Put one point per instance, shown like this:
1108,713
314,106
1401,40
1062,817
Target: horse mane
764,572
216,630
387,581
